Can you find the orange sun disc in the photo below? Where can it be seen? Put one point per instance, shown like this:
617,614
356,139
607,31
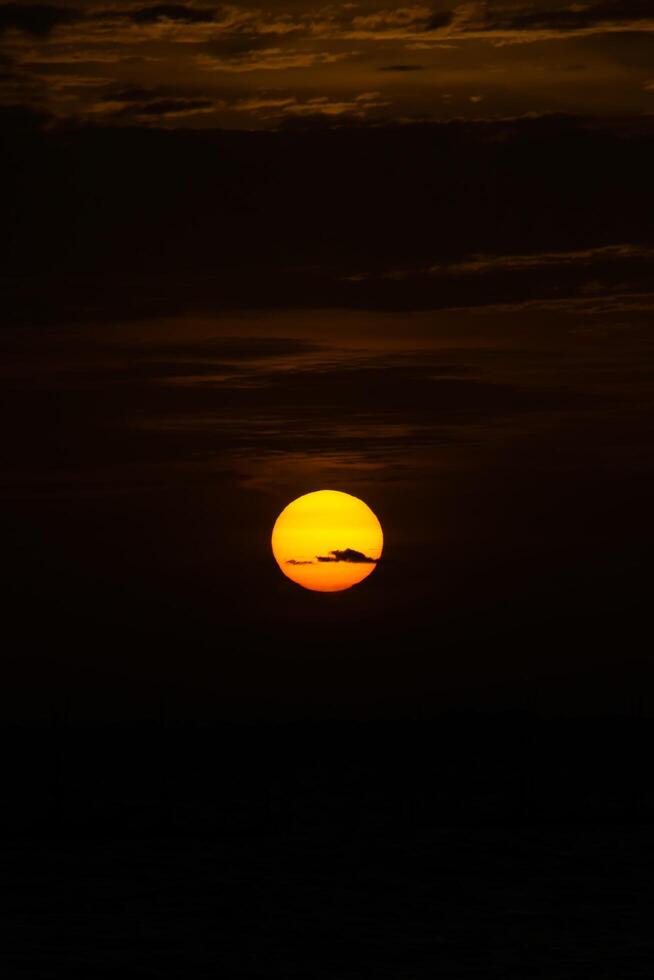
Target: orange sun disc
327,541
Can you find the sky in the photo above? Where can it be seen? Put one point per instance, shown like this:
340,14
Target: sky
254,251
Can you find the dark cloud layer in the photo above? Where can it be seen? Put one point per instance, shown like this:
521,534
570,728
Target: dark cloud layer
266,66
460,214
35,19
402,68
570,17
164,107
184,13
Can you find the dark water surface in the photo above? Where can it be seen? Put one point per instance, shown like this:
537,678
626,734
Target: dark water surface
531,902
520,849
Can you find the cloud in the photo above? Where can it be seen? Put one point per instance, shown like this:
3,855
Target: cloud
142,104
348,555
501,23
482,264
20,88
37,19
400,23
604,304
589,276
351,263
401,68
319,107
257,104
194,23
402,16
572,17
172,108
182,13
211,50
22,119
69,55
113,27
269,59
64,82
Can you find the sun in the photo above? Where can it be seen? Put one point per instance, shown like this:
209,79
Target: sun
327,541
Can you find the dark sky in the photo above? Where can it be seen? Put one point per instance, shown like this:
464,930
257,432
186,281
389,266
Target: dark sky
252,251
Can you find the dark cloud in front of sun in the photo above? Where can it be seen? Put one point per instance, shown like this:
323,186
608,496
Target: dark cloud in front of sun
348,555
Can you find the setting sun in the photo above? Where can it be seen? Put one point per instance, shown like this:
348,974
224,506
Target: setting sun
327,541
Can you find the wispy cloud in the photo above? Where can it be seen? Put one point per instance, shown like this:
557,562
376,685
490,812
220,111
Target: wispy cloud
143,104
320,105
268,59
481,264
